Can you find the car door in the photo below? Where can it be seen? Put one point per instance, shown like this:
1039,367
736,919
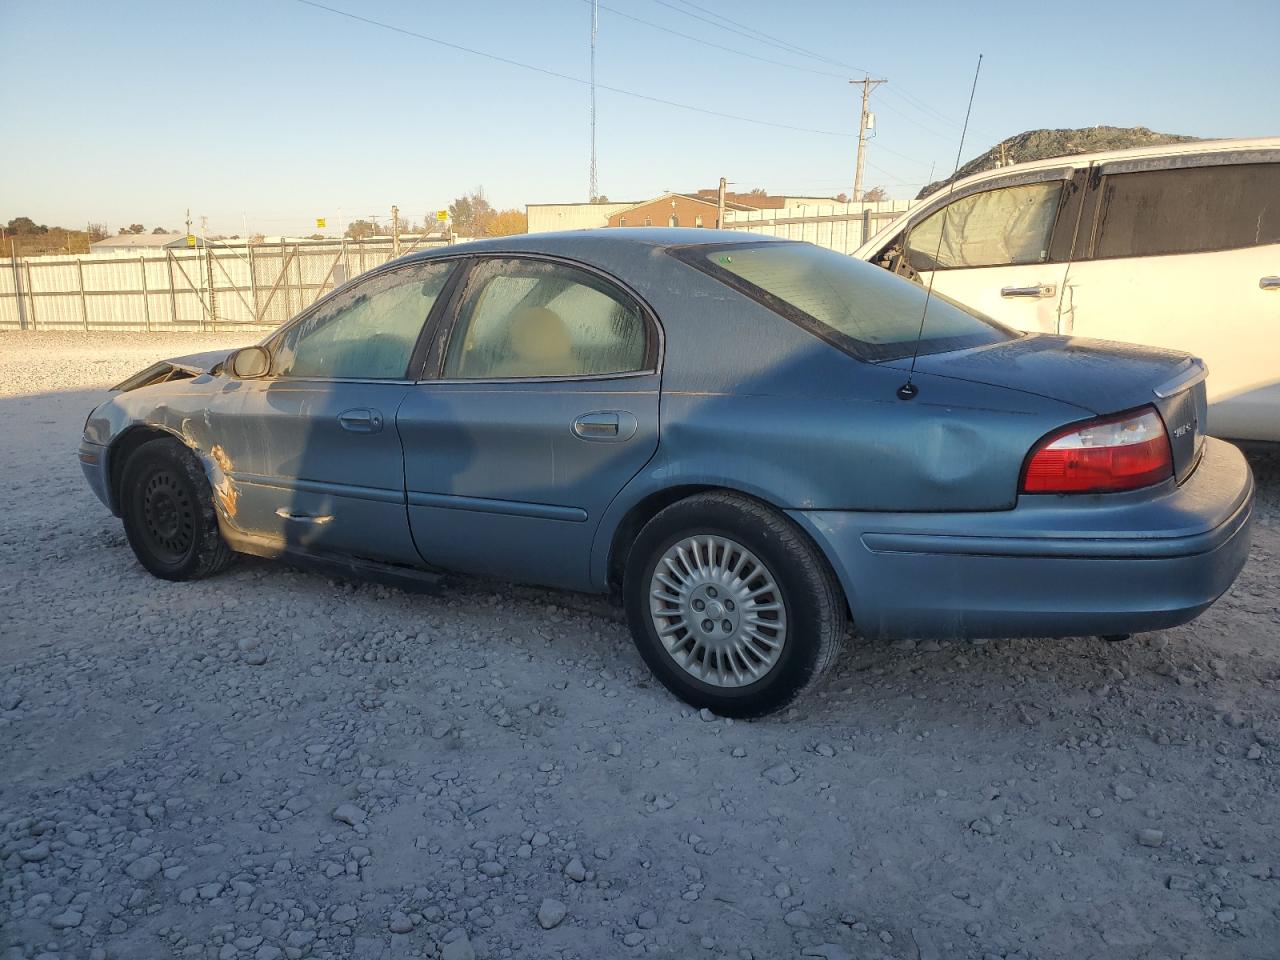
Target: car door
1183,252
312,450
544,405
990,248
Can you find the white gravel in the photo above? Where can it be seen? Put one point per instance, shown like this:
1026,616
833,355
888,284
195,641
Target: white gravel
492,772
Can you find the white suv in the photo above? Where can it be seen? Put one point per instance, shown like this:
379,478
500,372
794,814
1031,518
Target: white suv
1175,246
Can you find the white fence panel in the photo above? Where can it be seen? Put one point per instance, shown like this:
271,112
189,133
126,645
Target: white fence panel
250,287
838,226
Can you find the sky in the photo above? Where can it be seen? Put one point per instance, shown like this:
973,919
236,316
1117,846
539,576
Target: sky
264,114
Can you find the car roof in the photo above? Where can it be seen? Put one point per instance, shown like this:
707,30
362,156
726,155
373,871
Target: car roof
601,237
1078,160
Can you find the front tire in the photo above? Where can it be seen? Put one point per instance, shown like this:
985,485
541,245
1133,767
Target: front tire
169,515
731,605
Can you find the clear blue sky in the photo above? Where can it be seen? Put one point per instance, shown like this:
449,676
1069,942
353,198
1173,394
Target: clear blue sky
277,112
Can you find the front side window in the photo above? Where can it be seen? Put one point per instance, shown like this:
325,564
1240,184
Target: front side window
367,334
1001,227
1188,210
865,310
530,318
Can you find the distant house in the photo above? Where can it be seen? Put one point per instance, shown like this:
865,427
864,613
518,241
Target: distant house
545,217
674,210
142,242
757,201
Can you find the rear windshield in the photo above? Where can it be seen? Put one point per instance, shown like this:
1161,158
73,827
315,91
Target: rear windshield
859,307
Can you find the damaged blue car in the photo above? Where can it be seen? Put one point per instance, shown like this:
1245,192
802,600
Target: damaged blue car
748,442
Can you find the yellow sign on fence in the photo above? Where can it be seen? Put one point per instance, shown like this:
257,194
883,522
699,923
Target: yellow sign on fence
320,222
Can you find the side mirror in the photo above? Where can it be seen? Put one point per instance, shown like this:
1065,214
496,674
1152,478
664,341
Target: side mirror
250,363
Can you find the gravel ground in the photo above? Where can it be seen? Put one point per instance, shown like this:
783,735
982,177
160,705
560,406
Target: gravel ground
277,764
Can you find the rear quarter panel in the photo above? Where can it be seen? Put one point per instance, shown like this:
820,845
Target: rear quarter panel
752,402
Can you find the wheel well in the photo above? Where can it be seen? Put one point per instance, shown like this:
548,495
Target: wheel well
636,518
121,450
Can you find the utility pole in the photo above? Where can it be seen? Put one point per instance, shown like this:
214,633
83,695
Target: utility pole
863,120
720,204
395,231
594,189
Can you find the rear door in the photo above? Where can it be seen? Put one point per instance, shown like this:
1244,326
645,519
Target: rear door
1183,252
991,248
543,405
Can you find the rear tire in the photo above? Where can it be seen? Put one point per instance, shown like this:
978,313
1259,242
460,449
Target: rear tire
731,605
169,515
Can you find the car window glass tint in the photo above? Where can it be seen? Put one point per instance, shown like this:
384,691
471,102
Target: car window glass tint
996,228
869,309
525,318
369,333
1188,210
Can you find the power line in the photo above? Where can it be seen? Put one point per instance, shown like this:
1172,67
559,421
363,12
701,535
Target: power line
752,34
742,29
778,63
718,46
564,76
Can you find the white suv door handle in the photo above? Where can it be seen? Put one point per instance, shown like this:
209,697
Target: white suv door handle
1269,283
1040,291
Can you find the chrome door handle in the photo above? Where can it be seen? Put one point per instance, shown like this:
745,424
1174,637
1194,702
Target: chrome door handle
284,514
591,426
610,426
1269,283
1040,291
360,420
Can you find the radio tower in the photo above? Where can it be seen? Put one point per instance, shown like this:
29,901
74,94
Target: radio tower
592,194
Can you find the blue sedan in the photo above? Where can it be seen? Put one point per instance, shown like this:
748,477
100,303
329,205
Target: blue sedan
746,441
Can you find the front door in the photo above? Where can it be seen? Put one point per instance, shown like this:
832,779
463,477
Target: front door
1188,258
991,251
545,406
312,451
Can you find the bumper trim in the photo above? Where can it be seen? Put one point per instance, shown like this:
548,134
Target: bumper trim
1063,548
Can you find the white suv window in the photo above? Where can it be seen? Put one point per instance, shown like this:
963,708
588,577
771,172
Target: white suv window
1189,210
1001,227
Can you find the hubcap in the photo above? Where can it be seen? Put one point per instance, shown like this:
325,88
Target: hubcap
718,611
168,516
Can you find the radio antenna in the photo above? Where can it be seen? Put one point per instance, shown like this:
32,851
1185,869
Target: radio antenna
909,389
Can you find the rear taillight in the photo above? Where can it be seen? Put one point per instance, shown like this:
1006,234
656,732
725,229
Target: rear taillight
1121,452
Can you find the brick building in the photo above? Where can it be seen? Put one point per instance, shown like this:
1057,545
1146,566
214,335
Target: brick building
673,210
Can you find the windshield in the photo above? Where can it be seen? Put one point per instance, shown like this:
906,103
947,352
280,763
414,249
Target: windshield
859,307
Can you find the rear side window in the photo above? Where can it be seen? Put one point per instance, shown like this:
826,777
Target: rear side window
858,307
530,318
996,228
1188,210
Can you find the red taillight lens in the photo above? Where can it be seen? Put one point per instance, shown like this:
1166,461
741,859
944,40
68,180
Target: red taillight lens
1123,452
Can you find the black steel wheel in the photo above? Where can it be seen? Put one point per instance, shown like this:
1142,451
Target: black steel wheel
169,515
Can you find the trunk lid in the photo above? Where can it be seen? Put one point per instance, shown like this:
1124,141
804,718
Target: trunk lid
1098,376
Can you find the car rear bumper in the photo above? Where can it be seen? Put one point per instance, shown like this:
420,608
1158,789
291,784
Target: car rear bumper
93,461
1053,566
